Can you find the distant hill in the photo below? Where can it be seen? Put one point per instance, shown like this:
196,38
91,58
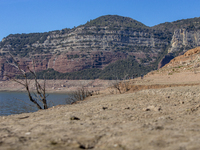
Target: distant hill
107,47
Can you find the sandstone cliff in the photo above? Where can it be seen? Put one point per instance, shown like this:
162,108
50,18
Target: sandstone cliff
184,39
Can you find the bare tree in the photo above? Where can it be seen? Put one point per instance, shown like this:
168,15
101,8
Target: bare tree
38,97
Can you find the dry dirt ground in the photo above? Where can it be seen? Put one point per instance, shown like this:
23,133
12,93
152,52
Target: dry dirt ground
160,112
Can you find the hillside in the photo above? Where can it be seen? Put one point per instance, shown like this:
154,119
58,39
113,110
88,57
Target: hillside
108,47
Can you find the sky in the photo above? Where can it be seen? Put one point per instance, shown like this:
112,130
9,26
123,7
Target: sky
29,16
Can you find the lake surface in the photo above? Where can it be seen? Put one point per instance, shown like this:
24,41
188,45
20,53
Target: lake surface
18,102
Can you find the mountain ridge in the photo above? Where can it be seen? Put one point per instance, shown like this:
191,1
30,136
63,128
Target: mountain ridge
101,42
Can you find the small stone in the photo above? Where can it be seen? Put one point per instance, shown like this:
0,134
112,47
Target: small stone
127,108
28,133
146,109
53,143
154,108
63,85
74,118
159,127
104,108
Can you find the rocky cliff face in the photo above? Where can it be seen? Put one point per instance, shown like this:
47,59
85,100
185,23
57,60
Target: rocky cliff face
97,44
184,39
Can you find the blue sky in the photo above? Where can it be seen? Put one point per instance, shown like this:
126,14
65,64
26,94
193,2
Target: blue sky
27,16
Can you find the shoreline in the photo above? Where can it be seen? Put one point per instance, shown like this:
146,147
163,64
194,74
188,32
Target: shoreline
57,86
97,85
48,92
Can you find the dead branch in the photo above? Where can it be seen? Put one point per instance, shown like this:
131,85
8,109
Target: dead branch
35,97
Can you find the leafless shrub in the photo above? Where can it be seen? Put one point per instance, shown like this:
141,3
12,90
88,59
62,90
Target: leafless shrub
120,86
116,85
79,95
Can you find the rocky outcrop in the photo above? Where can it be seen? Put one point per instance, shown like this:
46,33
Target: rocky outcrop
184,39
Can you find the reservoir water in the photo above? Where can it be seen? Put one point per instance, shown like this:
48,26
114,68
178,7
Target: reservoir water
18,102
